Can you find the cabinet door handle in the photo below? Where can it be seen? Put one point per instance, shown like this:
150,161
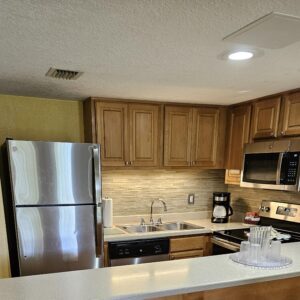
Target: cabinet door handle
126,163
172,257
130,163
282,133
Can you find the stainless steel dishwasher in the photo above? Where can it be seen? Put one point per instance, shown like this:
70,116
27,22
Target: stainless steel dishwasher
138,251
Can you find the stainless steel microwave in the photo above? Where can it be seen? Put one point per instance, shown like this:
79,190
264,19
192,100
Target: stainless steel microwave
272,165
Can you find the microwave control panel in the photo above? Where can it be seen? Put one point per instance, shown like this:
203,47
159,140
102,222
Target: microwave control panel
289,168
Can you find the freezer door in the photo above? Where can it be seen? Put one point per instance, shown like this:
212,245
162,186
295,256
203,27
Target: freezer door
56,239
46,173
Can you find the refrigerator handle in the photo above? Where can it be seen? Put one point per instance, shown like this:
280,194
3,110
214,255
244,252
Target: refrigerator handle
98,202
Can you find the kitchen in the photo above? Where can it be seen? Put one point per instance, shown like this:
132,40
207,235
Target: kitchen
161,136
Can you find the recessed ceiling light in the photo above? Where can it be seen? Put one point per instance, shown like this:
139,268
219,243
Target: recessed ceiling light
240,55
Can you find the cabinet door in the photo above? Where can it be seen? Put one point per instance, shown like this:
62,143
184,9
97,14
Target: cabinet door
265,118
144,134
233,177
205,136
177,135
291,115
181,244
111,132
238,135
186,254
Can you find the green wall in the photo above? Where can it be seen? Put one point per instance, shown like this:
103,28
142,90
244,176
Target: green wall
35,119
31,118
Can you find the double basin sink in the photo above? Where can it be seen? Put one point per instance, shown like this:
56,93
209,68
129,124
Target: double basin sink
159,227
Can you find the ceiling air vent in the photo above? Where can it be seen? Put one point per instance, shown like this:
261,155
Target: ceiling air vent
63,74
272,31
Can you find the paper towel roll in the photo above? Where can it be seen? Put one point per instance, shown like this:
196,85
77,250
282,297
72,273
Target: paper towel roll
107,212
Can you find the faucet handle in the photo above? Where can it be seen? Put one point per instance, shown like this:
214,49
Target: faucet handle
143,221
159,221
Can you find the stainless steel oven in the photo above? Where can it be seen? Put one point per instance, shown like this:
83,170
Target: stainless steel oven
222,246
283,217
272,165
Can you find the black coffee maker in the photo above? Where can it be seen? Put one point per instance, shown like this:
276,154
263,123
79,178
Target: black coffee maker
221,207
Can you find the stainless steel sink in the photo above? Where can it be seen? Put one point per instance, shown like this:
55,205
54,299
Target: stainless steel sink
178,226
159,227
139,228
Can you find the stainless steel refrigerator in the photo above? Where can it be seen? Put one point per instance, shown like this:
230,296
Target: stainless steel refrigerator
52,200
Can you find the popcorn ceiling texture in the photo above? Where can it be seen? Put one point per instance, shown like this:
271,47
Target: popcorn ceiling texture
133,190
142,49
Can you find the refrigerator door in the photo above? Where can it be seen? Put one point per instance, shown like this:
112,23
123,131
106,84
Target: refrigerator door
46,173
56,238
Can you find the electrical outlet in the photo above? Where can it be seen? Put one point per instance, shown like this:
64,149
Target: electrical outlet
191,199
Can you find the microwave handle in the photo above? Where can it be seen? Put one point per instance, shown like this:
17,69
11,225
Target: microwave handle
279,166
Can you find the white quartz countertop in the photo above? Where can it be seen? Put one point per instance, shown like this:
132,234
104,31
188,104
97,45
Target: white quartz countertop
116,234
146,281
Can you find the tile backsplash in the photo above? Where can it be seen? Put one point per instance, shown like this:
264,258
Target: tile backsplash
248,199
133,190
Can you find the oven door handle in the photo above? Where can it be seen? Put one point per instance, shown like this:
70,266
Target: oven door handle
225,244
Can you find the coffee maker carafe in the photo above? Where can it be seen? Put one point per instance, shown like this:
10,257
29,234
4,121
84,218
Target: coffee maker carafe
221,207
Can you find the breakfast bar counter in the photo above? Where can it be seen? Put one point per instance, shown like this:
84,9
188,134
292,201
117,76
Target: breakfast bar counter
147,281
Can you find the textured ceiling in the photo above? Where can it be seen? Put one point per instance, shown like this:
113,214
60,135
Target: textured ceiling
143,49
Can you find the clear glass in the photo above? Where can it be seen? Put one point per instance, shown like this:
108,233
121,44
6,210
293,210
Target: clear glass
275,250
244,250
255,252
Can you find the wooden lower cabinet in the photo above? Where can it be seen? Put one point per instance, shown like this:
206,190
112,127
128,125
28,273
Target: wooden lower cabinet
186,254
190,246
106,255
284,289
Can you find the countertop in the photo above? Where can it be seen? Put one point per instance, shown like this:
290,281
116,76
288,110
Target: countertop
115,234
146,281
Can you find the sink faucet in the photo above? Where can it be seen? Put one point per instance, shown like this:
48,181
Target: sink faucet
151,211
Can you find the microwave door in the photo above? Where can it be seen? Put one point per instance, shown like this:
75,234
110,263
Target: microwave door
261,168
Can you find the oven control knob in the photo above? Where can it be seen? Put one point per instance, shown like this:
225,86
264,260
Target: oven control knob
265,208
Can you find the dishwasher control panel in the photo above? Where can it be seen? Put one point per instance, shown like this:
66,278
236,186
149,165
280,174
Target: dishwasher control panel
138,248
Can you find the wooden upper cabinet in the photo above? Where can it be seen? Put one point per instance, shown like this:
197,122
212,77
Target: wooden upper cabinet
177,135
291,115
144,134
265,118
194,136
111,132
205,136
238,135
